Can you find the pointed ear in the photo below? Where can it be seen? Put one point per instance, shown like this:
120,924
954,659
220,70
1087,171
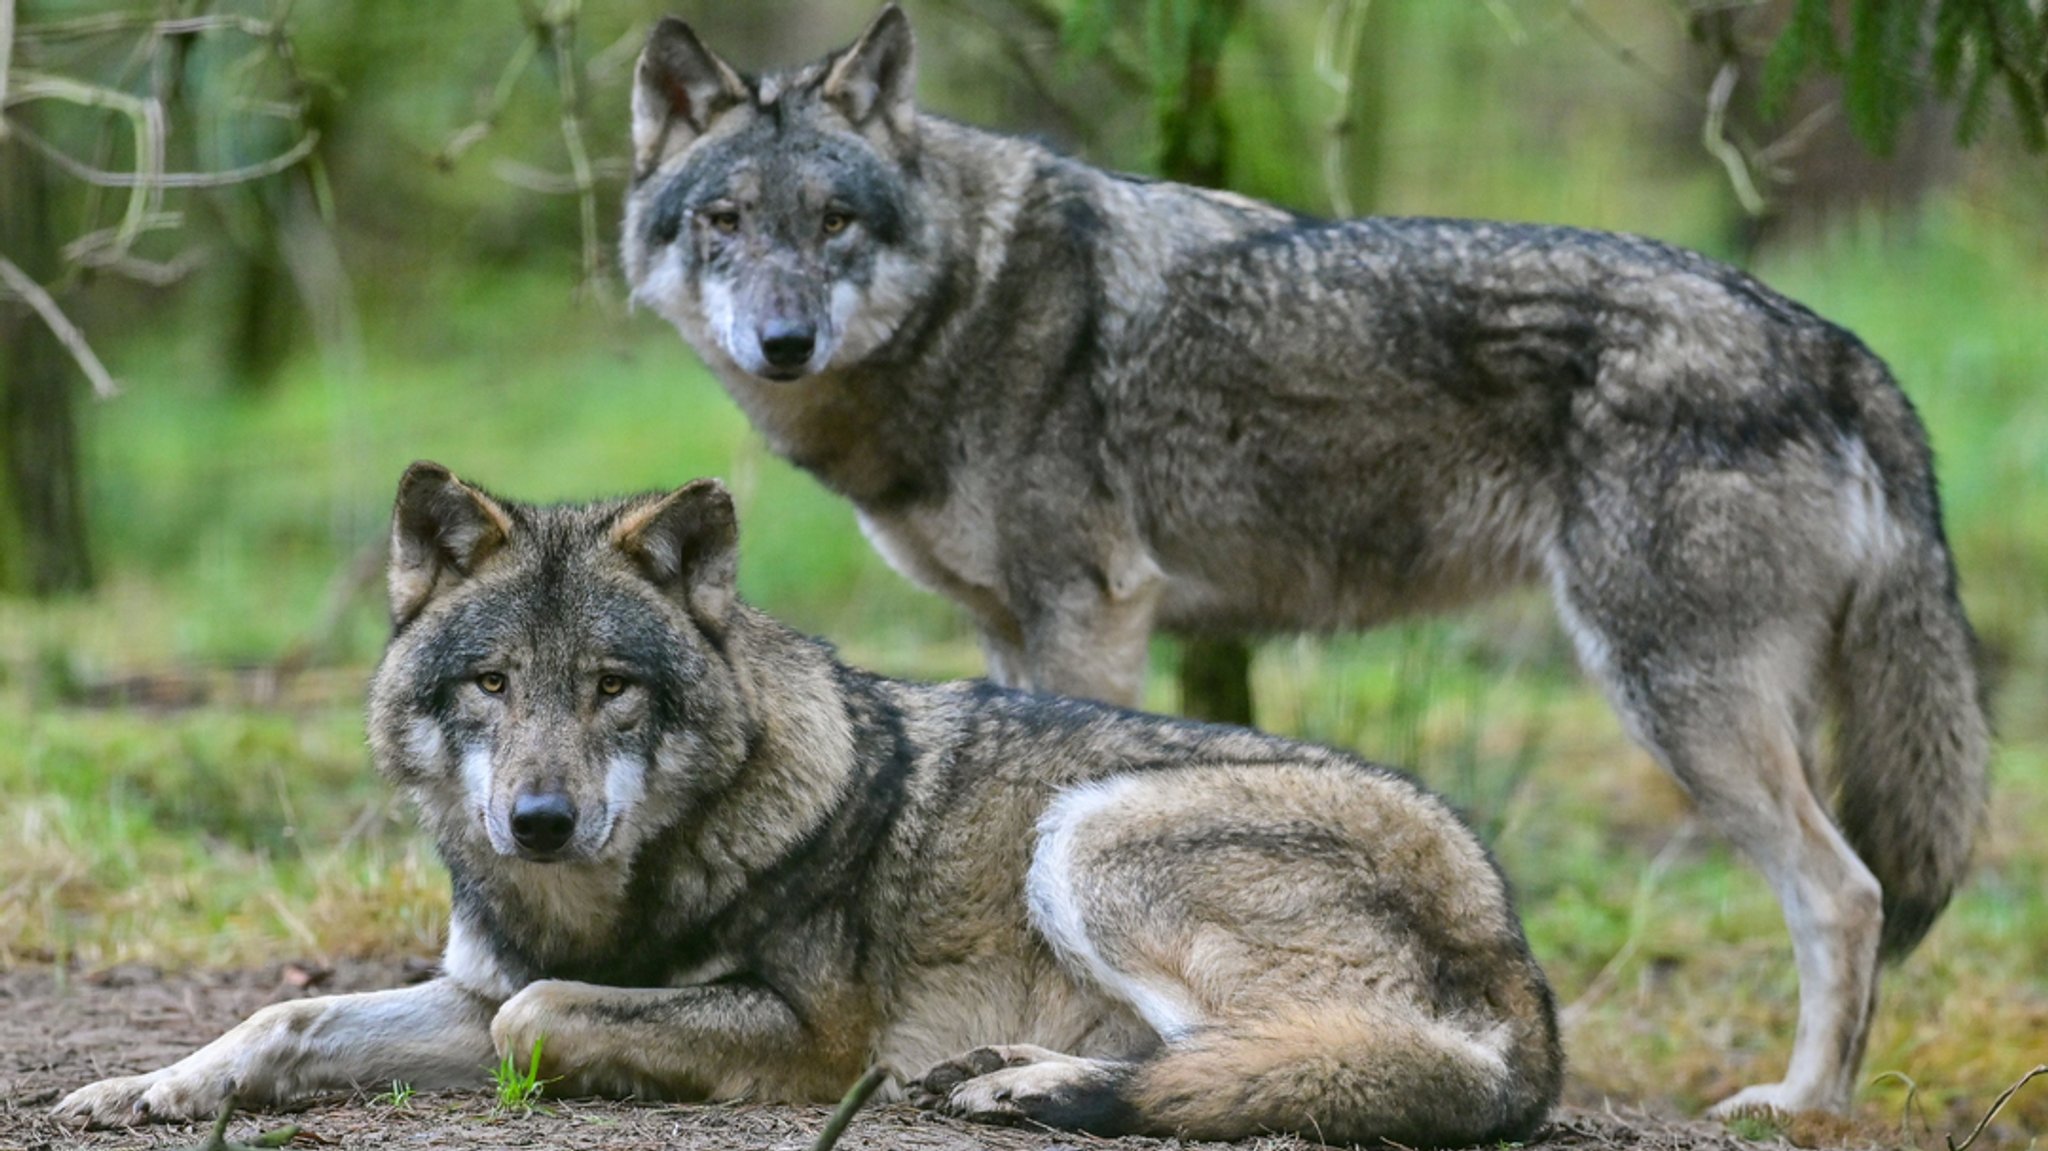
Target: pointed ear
441,530
878,74
679,88
687,543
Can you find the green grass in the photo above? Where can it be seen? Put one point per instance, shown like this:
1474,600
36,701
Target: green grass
519,1088
253,827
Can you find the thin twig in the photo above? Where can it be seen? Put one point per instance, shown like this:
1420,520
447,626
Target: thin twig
473,133
110,22
1714,135
156,273
100,177
1626,56
1638,920
1336,64
561,33
217,1138
532,179
147,118
1912,1103
6,58
60,325
851,1102
1996,1107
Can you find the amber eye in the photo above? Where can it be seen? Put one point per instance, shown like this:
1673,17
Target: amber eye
611,684
836,222
492,682
725,221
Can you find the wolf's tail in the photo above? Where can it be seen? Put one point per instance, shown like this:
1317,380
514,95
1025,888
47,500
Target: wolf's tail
1353,1075
1915,738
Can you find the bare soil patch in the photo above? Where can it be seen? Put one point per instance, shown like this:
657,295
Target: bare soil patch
59,1030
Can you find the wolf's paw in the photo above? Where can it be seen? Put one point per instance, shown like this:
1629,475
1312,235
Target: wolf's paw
937,1086
1024,1084
575,1026
1782,1098
158,1097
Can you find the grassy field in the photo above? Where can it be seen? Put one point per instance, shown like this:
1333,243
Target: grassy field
167,797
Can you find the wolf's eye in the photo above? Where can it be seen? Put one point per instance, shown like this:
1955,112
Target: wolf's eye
492,682
611,684
836,222
726,221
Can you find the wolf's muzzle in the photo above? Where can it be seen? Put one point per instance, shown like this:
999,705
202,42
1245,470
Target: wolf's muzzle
788,346
543,823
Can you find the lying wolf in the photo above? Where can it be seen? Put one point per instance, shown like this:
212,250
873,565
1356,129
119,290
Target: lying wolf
698,858
1084,405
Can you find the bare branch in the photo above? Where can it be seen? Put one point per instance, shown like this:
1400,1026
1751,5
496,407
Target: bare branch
156,273
1714,135
100,177
1336,63
105,246
147,118
23,285
1996,1107
6,57
547,183
474,132
110,22
561,34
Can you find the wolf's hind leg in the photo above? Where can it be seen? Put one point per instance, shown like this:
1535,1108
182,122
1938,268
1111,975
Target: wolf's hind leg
1019,1083
1751,783
1732,735
1321,950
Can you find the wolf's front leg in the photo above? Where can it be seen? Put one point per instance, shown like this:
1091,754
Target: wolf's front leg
433,1036
720,1041
1087,637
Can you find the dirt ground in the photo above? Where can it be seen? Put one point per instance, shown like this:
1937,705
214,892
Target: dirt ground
61,1030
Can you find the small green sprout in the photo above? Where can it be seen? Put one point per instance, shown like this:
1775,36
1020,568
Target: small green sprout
519,1088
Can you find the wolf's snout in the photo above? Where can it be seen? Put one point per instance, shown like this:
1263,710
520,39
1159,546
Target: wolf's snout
788,345
543,823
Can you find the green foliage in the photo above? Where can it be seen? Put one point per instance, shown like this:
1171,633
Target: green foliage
519,1088
1977,45
1757,1126
399,1097
1183,47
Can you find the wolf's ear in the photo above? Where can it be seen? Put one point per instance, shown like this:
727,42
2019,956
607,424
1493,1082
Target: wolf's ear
687,542
441,529
878,74
679,88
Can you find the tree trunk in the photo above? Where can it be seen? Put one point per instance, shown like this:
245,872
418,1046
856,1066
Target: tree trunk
43,549
1216,679
1194,148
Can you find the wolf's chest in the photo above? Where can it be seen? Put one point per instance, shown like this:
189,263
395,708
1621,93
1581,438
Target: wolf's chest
950,548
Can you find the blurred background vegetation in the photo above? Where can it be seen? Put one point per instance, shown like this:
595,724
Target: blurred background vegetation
395,243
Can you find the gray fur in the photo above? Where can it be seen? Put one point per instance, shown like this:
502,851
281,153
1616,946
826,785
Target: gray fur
1085,405
1026,908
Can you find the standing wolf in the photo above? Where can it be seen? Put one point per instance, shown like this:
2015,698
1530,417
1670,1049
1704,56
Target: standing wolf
700,858
1085,405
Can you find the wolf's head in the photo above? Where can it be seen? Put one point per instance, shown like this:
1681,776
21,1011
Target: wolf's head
774,220
553,689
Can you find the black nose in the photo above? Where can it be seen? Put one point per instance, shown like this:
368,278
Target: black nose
787,345
543,823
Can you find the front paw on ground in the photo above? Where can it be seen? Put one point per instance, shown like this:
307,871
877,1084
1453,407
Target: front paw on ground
938,1084
143,1099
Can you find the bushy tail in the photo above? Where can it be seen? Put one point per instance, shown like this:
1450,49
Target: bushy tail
1915,741
1346,1074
